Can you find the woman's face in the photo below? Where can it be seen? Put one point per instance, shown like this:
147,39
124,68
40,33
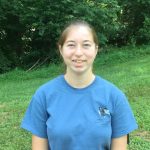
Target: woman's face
79,50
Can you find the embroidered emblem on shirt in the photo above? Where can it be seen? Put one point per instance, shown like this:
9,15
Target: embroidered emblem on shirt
103,111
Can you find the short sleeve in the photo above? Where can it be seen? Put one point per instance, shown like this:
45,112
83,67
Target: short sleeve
35,118
123,121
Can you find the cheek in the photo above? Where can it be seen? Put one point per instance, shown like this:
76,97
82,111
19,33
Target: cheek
66,54
91,55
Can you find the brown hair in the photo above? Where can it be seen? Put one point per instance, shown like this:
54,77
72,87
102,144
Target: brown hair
64,33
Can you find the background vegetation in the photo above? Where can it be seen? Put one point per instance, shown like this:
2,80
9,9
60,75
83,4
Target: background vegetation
29,29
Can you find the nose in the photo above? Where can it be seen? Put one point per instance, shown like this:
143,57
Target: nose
79,51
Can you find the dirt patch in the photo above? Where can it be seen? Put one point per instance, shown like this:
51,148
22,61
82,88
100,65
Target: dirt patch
143,134
2,106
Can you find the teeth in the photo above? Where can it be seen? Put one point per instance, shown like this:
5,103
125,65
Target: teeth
78,61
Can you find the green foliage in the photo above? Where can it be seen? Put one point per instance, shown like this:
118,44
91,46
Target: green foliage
134,18
44,22
11,31
5,64
29,29
109,55
143,36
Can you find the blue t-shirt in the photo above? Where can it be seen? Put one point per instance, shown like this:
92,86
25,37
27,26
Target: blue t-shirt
79,119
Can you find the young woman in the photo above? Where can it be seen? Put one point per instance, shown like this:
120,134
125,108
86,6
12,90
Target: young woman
79,110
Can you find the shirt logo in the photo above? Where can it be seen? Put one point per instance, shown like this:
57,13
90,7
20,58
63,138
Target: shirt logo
103,111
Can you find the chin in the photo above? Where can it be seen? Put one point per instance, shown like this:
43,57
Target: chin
80,70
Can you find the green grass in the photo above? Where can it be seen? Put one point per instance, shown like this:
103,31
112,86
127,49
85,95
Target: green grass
128,68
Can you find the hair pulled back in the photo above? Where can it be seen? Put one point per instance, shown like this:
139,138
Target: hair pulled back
65,32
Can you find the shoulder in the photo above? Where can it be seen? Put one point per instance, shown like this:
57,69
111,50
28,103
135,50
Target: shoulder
49,87
111,93
52,83
107,85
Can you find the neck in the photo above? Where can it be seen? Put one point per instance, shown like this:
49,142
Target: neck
79,80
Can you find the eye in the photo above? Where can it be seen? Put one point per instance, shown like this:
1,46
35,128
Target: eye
71,45
86,45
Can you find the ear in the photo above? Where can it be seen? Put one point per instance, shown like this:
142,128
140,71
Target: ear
96,48
60,49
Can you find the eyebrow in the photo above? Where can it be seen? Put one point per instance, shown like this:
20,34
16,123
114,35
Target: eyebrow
74,41
70,41
86,41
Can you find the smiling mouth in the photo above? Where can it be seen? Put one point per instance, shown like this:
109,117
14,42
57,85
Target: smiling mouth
78,61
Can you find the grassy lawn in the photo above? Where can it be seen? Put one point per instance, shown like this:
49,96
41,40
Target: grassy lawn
128,68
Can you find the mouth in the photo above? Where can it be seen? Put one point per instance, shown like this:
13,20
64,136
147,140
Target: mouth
78,61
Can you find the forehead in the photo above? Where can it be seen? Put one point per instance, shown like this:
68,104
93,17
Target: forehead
79,33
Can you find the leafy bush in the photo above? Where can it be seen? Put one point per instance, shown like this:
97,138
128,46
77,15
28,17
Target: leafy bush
5,64
29,29
143,35
134,18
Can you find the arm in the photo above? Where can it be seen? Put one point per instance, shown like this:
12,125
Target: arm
119,143
39,143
